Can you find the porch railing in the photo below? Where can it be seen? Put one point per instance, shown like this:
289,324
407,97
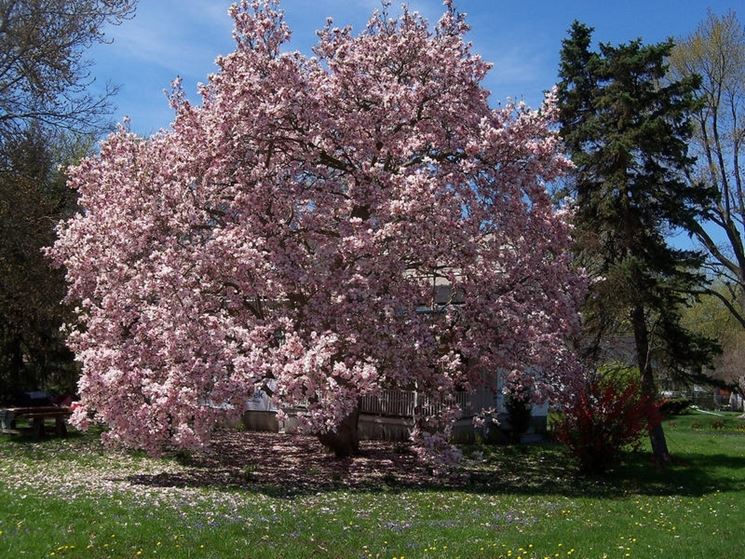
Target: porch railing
405,403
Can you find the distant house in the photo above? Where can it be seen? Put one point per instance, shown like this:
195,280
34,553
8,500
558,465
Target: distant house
736,402
622,351
391,414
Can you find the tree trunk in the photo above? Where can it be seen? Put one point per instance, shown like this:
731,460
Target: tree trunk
345,441
15,365
660,453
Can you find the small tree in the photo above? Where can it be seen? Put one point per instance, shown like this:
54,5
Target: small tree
711,317
292,232
604,415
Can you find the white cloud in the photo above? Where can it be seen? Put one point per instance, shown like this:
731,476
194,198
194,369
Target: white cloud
182,37
514,65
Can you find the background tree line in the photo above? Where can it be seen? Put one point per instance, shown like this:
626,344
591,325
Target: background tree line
49,118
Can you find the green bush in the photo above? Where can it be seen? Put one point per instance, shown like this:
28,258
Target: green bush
519,413
619,372
673,406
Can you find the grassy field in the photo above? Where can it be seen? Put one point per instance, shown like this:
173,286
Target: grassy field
70,498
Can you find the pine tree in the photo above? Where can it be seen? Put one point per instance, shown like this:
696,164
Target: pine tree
627,129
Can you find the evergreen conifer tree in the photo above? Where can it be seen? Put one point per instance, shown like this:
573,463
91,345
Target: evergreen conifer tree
627,129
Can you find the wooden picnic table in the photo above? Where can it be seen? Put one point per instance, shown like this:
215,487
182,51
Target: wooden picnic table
36,415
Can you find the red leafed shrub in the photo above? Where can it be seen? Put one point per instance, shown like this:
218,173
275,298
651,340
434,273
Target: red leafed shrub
603,417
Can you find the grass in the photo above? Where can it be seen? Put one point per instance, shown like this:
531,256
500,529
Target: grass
70,498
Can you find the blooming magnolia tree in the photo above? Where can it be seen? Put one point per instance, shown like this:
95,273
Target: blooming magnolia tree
286,233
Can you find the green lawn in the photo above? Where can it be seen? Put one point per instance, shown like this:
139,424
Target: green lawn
70,498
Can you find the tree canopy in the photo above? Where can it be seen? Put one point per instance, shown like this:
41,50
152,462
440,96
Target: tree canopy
43,73
289,232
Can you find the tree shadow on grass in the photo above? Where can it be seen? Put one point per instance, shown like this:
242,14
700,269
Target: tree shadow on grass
286,465
691,474
25,436
548,469
291,465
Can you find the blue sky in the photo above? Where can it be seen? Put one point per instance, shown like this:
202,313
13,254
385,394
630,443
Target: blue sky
169,38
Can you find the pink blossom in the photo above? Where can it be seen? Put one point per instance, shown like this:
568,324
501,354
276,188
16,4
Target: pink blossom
286,234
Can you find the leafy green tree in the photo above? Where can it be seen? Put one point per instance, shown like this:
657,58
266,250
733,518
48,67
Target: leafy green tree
627,131
47,116
33,198
710,316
